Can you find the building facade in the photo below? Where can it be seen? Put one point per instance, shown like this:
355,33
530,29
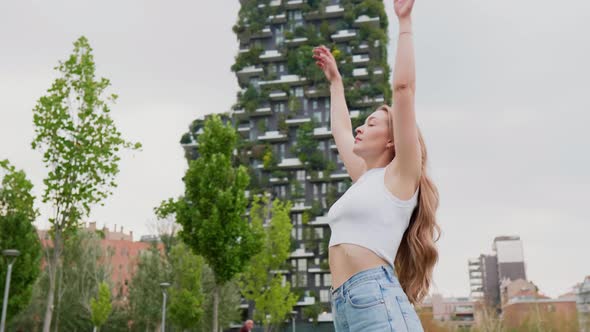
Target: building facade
282,116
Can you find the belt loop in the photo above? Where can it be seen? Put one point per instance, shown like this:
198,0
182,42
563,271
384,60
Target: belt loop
387,273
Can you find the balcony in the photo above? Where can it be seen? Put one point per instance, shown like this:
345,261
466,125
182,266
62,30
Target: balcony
247,72
240,114
362,48
301,253
300,207
290,163
325,317
296,122
244,128
264,111
271,55
360,59
339,176
273,3
365,20
285,79
280,18
307,301
275,180
328,12
322,132
278,95
273,136
265,33
314,92
367,101
320,221
343,35
296,41
360,73
295,4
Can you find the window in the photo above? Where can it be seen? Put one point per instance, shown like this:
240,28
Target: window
318,280
327,279
317,116
302,265
323,188
302,280
327,103
298,218
281,68
272,68
319,233
324,295
314,104
299,233
300,175
298,91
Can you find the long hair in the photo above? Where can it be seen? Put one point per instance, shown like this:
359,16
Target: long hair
417,253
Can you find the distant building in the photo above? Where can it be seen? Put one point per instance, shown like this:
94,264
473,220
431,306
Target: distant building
123,251
583,304
550,313
455,311
487,272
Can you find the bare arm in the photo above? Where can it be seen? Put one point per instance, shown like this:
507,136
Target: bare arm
339,118
405,133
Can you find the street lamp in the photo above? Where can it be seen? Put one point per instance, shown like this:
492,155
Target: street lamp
11,255
163,285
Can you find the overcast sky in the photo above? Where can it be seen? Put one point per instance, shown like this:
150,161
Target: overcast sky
502,101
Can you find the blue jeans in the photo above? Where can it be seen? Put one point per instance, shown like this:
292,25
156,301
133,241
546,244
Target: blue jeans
373,300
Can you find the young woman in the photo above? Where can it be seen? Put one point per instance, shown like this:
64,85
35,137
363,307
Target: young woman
382,249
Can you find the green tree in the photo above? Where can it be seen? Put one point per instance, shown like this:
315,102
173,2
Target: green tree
80,145
261,281
101,307
17,214
186,294
211,212
85,266
145,297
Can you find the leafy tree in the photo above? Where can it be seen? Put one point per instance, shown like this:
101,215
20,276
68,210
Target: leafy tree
145,296
17,214
261,281
101,307
80,145
186,293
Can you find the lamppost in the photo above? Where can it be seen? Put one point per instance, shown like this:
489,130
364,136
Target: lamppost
11,255
293,316
163,285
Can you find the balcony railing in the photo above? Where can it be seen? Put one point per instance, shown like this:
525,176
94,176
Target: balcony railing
366,20
343,35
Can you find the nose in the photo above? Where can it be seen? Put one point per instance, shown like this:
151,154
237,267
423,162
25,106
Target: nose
358,130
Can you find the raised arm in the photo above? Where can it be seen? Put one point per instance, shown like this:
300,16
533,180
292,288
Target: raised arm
339,118
405,133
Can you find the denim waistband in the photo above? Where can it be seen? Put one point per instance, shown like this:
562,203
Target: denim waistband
374,273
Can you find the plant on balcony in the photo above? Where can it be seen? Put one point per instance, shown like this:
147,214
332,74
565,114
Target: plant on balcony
282,124
268,160
251,99
261,126
312,311
249,58
186,138
297,189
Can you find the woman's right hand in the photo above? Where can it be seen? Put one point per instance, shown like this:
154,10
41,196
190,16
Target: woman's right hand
325,60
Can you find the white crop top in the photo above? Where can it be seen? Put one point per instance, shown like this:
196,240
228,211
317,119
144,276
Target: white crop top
369,215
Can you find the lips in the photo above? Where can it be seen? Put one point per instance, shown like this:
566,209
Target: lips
357,139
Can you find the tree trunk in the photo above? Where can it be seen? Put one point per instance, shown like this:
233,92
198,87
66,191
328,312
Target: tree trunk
215,308
52,266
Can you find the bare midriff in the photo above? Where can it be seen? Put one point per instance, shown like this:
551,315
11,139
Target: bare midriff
347,259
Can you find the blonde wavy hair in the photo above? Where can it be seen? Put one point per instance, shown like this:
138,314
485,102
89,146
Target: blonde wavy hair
417,253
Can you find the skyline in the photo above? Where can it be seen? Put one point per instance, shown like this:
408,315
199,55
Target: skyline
501,105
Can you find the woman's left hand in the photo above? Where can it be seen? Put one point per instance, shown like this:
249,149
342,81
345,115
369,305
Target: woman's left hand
403,8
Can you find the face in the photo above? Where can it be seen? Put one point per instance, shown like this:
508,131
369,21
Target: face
373,138
250,324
